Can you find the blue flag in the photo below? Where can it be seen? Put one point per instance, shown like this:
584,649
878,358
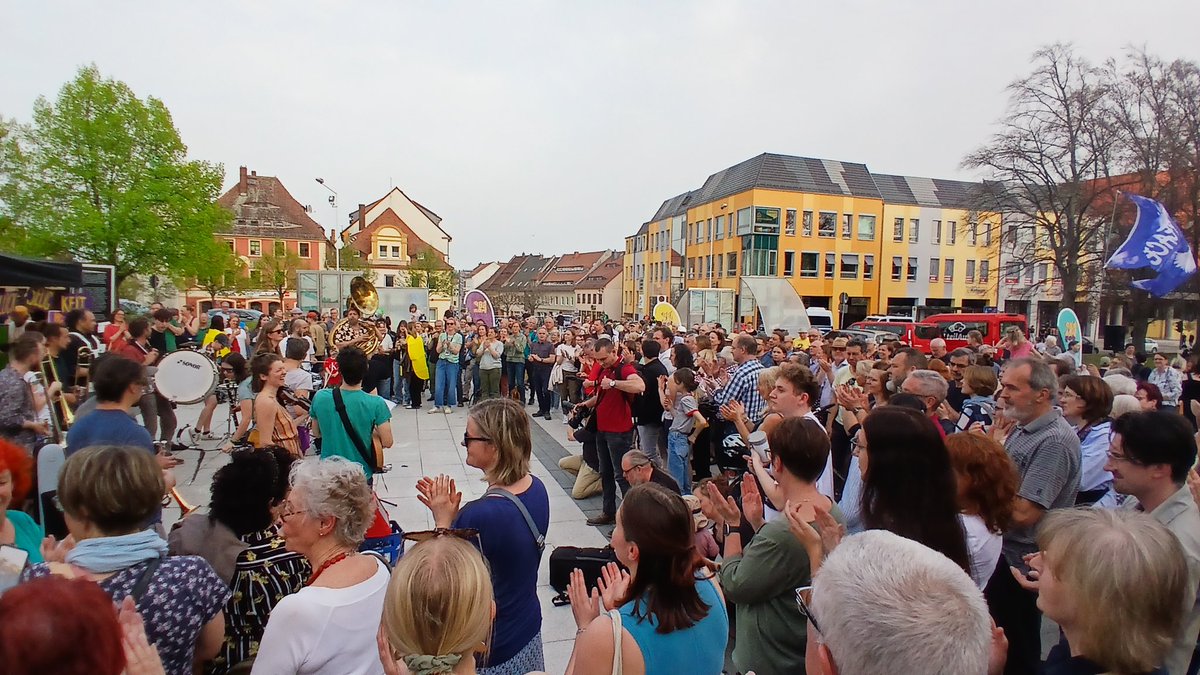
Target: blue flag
1155,242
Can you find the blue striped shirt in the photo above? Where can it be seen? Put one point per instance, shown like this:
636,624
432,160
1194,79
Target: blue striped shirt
743,387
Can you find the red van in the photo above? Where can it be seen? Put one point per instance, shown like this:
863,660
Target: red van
955,326
913,334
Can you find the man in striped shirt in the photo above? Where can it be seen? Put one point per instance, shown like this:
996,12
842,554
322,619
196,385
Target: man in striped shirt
743,383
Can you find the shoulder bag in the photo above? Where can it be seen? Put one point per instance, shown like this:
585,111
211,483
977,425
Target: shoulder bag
373,459
539,539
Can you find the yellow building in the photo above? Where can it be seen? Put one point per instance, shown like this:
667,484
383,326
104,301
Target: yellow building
826,226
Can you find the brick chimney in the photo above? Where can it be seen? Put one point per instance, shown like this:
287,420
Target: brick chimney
242,180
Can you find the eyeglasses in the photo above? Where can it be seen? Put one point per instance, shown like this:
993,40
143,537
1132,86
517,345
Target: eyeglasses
635,467
289,510
803,597
1122,458
856,448
277,330
466,441
467,533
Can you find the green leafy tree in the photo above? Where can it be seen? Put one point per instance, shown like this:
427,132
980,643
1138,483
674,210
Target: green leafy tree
277,272
102,176
428,270
216,270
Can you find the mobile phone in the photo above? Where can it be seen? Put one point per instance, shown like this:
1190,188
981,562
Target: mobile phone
12,563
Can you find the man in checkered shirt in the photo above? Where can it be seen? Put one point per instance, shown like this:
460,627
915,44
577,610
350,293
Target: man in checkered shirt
1045,450
743,383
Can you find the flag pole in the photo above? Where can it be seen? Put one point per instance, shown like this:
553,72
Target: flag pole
1112,221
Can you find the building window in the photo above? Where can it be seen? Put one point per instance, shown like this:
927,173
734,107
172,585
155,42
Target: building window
395,251
1043,272
255,248
808,265
691,267
952,231
720,265
983,271
847,225
826,224
689,233
912,269
970,271
898,229
807,224
897,268
949,271
987,234
389,280
720,228
280,248
731,264
830,264
700,232
230,243
914,230
789,259
305,250
868,267
849,265
973,235
382,251
937,231
789,223
866,228
935,267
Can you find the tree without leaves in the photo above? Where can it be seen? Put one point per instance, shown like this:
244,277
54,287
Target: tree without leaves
102,176
1154,106
1055,143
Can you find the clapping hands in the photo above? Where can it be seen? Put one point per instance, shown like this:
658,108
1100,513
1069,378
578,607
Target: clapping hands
609,594
824,539
442,498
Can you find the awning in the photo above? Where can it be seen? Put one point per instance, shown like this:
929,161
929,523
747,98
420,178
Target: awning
778,302
19,271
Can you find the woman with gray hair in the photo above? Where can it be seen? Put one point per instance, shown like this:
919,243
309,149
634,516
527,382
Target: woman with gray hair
329,626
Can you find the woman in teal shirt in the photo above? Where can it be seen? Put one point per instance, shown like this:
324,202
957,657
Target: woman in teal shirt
16,477
672,611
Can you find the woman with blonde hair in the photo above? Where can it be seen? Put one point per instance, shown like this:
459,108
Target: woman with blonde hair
438,610
329,626
1083,575
510,520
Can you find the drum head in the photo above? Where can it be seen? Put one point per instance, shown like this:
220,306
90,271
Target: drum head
185,377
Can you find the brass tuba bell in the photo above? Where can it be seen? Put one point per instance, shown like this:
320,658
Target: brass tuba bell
365,299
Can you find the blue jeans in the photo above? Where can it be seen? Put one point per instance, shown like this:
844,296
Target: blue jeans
399,385
445,391
384,388
515,370
678,449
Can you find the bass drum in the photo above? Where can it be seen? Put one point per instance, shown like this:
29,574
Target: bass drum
185,376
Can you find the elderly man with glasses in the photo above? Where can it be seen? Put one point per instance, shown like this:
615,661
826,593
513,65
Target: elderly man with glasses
637,469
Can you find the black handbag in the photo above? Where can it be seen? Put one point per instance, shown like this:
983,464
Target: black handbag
590,561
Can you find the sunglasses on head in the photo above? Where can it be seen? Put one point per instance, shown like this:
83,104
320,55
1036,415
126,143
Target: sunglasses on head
467,533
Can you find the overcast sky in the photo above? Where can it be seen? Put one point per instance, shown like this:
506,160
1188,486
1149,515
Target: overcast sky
553,127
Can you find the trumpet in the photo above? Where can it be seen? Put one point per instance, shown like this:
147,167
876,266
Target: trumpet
56,433
184,507
83,361
49,373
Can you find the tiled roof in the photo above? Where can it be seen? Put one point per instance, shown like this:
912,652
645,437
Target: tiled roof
770,171
935,192
503,275
599,277
571,267
262,207
672,207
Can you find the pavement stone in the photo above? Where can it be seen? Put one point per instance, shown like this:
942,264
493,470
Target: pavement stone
428,445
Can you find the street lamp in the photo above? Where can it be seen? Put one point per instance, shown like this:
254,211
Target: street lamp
337,231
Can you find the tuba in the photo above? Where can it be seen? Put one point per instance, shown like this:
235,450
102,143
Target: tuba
365,299
184,507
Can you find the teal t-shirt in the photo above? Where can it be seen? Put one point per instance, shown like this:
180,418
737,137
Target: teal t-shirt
28,535
448,340
366,411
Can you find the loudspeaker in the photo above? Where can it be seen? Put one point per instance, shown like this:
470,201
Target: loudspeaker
1114,338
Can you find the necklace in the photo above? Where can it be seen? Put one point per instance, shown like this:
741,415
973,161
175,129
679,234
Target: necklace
327,564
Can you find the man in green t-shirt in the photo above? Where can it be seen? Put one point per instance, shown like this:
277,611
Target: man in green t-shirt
369,415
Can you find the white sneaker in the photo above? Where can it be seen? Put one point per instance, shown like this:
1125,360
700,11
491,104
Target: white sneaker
434,410
447,410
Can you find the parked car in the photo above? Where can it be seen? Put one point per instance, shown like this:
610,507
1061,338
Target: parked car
878,336
250,316
913,334
1150,347
133,308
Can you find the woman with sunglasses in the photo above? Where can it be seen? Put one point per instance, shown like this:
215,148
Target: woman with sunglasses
329,626
270,337
511,520
671,610
233,369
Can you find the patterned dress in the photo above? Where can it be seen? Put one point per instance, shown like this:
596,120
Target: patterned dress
265,573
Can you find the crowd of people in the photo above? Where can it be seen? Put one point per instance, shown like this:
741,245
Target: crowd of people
778,503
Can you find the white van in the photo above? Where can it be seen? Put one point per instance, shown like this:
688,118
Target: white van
820,318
